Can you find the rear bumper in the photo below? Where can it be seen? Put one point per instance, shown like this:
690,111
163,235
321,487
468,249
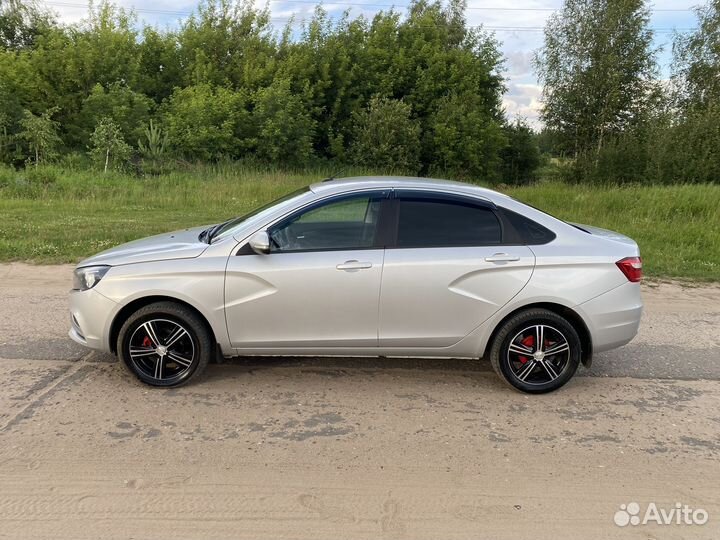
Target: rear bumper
90,316
613,318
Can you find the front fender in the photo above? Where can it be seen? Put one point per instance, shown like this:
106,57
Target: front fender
198,283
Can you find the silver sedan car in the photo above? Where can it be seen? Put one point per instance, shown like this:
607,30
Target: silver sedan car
376,266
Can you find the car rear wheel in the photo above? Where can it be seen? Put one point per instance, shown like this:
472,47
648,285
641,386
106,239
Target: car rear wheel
165,344
536,351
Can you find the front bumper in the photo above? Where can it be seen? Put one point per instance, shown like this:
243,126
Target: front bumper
613,318
90,318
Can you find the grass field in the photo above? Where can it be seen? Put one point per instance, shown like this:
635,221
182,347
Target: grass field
59,215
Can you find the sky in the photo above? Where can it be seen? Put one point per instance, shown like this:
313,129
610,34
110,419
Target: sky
517,25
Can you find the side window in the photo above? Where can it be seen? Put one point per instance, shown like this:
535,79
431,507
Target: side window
531,233
443,222
346,223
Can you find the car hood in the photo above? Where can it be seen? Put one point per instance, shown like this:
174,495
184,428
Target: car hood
183,244
605,233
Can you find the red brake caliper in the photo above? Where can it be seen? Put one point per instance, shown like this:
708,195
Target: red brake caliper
147,342
528,342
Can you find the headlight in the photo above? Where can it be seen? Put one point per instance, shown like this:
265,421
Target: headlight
87,277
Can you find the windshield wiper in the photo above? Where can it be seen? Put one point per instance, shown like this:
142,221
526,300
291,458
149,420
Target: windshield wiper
203,235
212,231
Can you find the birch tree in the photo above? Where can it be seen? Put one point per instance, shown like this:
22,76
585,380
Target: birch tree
598,71
108,147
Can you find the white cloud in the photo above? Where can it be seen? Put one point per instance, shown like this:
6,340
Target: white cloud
518,63
522,100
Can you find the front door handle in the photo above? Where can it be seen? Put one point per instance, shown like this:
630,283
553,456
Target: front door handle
354,265
502,257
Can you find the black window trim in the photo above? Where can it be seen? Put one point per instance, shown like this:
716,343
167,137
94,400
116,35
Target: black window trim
388,221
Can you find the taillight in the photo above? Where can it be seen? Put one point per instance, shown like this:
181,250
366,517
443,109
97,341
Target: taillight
631,267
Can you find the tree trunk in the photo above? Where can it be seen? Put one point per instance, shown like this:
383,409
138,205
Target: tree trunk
37,156
107,158
599,146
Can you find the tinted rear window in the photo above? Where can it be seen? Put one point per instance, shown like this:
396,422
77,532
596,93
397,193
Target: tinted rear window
531,233
438,222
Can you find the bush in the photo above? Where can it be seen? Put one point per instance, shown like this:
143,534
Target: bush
107,148
41,177
129,110
31,182
521,156
386,137
285,128
74,161
7,176
622,159
208,123
465,140
689,150
659,151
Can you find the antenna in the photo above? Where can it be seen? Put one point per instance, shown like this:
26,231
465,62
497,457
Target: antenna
334,175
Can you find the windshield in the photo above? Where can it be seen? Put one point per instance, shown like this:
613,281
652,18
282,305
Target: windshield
229,226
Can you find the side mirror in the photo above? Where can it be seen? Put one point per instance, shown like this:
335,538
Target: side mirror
260,243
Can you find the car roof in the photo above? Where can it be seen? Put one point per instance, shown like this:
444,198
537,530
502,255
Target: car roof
342,185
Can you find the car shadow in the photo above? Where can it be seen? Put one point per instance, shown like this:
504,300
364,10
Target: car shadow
255,363
346,368
360,363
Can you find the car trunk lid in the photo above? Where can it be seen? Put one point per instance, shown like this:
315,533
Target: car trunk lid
605,233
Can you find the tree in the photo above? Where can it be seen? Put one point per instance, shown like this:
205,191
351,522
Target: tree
521,156
439,55
107,145
696,62
465,139
326,70
686,150
11,112
41,135
386,136
104,48
597,69
285,129
21,21
225,85
227,43
159,67
208,123
129,110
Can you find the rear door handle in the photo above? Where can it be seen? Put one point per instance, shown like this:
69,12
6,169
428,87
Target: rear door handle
502,257
354,265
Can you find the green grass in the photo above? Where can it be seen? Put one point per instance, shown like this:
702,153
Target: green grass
676,227
63,216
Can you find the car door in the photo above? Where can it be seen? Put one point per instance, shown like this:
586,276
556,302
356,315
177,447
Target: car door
447,271
319,286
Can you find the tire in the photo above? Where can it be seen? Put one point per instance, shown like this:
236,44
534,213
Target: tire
515,358
186,345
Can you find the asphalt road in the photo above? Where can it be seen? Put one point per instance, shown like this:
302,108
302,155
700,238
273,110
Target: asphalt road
354,448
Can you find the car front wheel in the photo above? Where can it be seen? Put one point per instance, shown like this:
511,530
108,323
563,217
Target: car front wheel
536,351
165,344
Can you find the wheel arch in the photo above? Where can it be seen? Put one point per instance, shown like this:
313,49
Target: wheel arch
572,316
131,307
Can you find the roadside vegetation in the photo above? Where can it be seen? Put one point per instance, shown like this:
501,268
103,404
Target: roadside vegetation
53,215
419,91
111,129
607,113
